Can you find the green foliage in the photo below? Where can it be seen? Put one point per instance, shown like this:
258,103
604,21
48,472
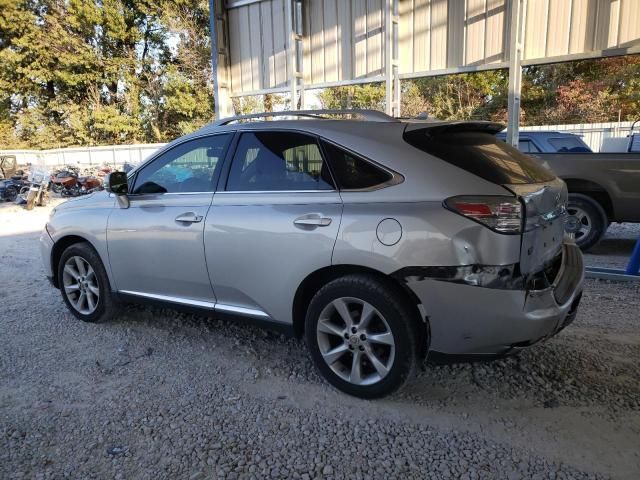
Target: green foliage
102,71
574,92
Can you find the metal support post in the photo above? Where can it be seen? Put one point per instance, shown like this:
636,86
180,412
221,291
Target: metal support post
392,80
518,8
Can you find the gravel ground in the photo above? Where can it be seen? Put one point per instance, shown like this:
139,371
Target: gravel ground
160,394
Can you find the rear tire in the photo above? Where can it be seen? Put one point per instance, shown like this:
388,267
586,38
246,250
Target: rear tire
587,220
81,273
362,336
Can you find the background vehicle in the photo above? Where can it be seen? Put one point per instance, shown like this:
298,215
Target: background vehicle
548,142
603,187
10,188
8,166
37,193
69,184
377,240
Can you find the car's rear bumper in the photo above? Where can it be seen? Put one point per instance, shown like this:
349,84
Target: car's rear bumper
468,319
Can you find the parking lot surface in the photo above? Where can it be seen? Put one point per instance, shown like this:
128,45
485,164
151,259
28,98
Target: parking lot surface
161,394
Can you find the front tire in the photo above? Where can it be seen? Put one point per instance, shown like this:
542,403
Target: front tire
587,220
362,336
84,284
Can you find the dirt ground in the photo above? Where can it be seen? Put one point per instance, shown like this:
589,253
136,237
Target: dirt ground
161,394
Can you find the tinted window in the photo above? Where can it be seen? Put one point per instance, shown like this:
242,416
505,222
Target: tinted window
483,155
568,144
352,172
189,167
527,146
272,161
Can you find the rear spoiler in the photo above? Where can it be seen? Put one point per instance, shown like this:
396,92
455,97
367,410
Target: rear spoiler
432,129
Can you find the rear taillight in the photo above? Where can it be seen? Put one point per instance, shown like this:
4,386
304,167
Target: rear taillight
502,214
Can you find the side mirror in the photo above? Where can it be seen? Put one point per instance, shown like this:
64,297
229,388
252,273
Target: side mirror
116,183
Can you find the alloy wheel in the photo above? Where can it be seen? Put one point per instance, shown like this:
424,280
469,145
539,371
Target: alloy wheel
355,341
578,222
80,284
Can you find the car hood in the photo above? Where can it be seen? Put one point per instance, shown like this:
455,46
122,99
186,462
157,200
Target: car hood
100,199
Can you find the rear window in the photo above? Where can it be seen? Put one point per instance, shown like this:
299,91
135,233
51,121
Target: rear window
352,172
481,154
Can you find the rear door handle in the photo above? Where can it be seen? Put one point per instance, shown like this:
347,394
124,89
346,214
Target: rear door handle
312,220
189,217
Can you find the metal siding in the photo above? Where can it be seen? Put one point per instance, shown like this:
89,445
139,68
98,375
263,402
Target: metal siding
559,17
344,39
360,38
629,21
456,33
281,74
405,41
315,63
256,51
234,51
331,45
268,59
374,37
536,28
475,23
438,30
495,32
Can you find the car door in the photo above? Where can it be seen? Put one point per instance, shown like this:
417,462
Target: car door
275,223
156,246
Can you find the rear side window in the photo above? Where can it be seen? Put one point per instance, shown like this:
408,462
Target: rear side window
276,161
483,155
568,144
352,172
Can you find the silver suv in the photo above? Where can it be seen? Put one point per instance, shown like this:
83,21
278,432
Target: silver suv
378,240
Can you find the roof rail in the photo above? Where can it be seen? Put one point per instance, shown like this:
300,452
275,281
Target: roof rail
370,115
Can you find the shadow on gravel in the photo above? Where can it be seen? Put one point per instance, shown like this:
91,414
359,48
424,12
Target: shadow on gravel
559,372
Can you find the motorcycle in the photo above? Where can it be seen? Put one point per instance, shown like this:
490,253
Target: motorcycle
10,188
60,178
37,193
69,184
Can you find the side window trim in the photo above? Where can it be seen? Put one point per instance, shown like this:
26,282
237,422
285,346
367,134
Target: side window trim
156,156
396,178
233,146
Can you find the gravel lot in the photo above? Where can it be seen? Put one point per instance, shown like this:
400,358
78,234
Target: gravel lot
160,394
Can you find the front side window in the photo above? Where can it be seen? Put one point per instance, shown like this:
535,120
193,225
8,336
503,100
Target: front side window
278,161
187,168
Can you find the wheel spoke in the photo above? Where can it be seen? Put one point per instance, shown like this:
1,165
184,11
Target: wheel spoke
325,326
356,372
90,301
367,314
71,271
93,289
377,364
81,301
334,354
80,265
343,310
383,338
74,287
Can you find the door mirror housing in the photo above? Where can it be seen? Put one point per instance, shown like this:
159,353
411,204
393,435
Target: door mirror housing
116,183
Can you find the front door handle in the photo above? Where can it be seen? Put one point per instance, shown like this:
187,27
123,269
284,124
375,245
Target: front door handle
189,217
312,220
